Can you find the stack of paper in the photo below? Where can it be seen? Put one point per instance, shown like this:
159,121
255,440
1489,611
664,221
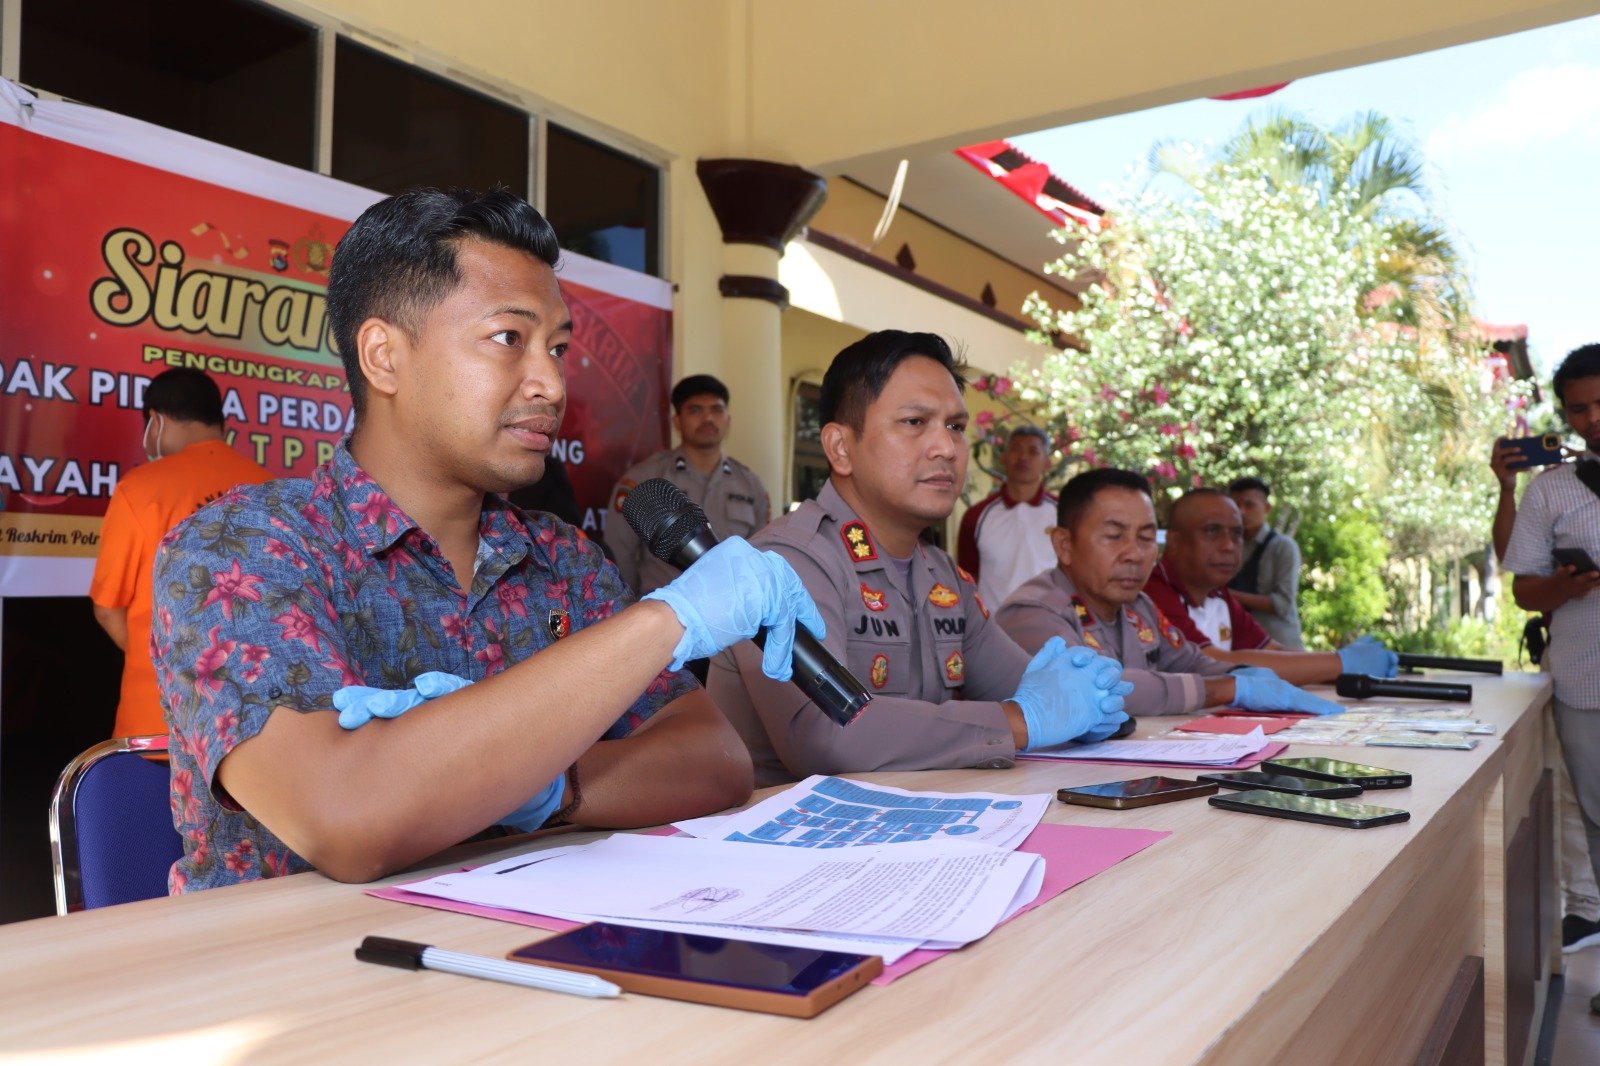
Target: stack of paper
864,869
1213,751
830,812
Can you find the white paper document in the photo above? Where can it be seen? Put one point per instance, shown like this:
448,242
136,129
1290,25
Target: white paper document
830,812
1219,751
943,894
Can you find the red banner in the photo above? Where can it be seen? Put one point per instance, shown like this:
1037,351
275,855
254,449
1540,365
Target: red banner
116,268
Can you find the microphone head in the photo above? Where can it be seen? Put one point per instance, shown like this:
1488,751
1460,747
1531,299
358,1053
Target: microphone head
663,516
1353,686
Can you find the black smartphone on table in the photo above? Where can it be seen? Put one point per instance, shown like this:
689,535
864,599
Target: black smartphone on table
1139,792
1309,809
1542,450
1294,786
1576,558
772,978
1350,773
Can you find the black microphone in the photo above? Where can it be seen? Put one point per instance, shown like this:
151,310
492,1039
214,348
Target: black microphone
1445,662
1362,687
675,530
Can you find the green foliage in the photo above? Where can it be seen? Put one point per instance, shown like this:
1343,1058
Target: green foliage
1470,638
1342,591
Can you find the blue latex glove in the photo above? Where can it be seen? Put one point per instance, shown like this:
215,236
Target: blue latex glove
537,811
359,704
1368,656
1071,694
1256,693
1254,671
730,592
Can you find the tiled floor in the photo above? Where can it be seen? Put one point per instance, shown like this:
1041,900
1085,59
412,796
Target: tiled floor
1577,1040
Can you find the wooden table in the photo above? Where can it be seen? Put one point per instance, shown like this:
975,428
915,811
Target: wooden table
1239,939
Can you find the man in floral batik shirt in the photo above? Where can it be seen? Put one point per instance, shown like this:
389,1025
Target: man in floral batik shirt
397,559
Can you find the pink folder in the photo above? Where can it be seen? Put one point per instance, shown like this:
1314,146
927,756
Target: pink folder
1072,854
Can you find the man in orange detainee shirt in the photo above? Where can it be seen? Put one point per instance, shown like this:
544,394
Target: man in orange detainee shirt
190,465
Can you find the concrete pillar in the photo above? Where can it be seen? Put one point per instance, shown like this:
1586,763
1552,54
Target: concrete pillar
760,206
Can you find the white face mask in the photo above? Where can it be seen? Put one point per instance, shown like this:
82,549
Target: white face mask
148,454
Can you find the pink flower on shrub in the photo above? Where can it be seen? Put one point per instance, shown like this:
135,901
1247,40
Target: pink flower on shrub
1166,470
1184,451
1090,457
985,417
1170,430
1001,386
1159,395
981,385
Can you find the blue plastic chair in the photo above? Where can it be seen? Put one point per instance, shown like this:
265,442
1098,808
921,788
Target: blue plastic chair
111,834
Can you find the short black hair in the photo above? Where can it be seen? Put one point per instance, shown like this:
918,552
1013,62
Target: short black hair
1249,484
186,394
1079,492
398,260
1175,517
1581,362
697,385
858,374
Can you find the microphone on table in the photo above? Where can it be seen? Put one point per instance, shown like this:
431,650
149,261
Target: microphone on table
675,530
1362,687
1445,662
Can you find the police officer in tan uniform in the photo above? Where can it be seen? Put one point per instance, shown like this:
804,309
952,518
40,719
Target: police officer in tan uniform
733,498
1105,544
949,688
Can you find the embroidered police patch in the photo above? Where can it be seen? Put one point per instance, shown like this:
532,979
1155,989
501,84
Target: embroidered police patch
880,671
955,667
940,596
560,623
873,598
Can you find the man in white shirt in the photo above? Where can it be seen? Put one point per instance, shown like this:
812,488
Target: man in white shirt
1561,512
1005,537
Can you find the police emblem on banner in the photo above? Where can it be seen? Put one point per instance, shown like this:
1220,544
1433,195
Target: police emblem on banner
560,623
955,667
858,542
941,596
880,671
872,598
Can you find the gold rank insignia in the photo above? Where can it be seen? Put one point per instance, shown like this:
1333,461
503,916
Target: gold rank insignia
625,486
1173,634
1091,640
1224,634
880,671
1146,634
872,598
981,607
955,667
858,542
968,578
1083,612
940,596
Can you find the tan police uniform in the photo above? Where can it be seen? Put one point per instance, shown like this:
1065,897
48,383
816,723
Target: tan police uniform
733,498
1167,671
937,667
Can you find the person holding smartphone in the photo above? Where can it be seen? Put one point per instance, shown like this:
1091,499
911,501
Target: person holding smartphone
1560,513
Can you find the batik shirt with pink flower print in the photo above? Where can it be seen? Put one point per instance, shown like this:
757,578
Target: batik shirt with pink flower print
280,594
